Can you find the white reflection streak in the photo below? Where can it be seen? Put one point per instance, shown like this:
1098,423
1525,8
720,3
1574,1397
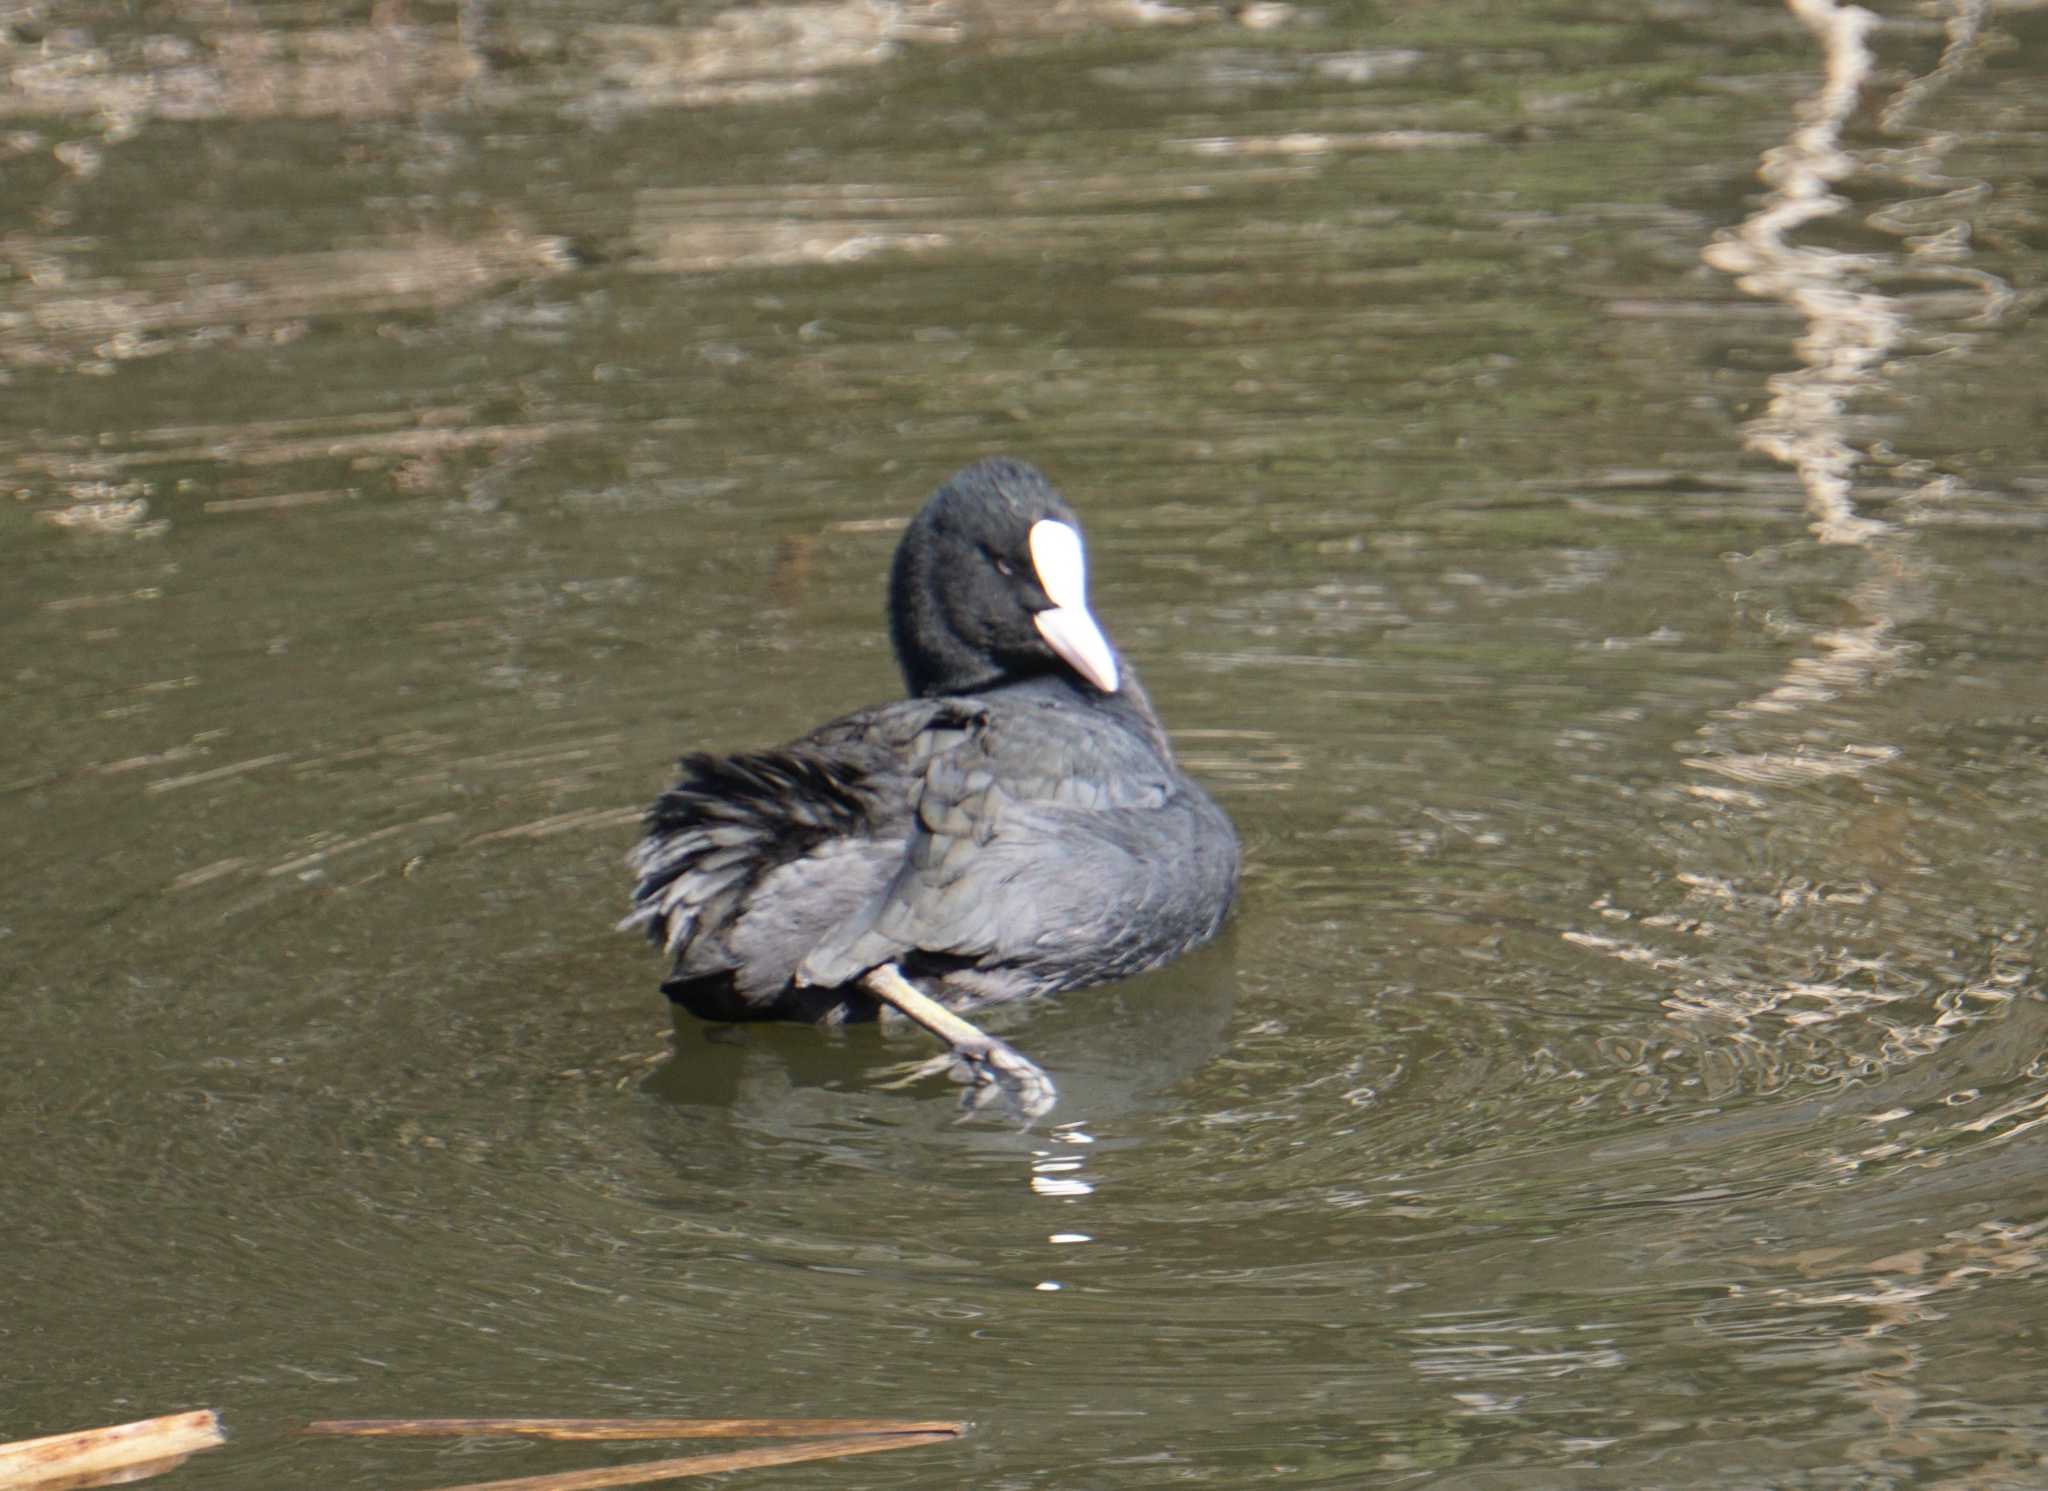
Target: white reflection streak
1850,329
1853,331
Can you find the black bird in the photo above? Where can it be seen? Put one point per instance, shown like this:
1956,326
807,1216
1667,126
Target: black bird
1017,826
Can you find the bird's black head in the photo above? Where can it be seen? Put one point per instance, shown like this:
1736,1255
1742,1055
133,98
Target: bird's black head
990,585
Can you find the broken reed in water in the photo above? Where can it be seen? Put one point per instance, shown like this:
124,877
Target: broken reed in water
123,1452
688,1465
633,1428
86,1456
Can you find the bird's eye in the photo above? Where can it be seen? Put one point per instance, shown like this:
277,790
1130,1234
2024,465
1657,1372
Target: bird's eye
1003,568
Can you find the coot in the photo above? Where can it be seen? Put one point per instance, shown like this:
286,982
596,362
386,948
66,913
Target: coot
1017,826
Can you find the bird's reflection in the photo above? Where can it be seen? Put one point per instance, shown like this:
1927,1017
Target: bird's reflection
1116,1050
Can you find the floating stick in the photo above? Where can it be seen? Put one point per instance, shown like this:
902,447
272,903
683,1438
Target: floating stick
689,1465
119,1451
631,1428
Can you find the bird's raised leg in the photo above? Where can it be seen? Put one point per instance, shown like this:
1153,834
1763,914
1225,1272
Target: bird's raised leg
995,1066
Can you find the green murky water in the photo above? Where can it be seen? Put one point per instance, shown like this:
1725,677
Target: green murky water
1604,584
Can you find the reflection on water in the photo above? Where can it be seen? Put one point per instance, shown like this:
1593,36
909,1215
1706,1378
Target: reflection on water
1571,482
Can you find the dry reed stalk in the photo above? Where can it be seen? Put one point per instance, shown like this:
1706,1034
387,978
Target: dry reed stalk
629,1428
119,1451
674,1470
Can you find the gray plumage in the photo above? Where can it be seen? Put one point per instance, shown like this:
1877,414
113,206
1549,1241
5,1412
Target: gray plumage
1012,831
